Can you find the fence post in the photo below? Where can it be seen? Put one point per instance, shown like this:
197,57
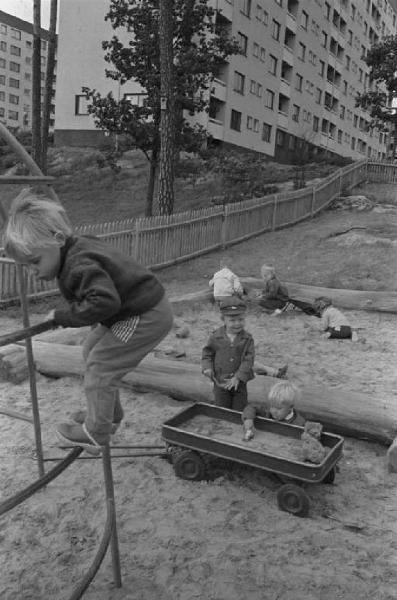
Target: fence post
274,213
223,226
313,202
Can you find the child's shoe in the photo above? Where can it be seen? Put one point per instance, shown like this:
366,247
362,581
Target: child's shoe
248,435
354,336
277,312
80,416
75,434
282,372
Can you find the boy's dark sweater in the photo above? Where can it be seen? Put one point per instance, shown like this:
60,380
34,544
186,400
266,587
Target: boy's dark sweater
102,285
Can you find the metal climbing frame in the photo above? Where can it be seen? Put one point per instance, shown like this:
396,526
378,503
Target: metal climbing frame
110,534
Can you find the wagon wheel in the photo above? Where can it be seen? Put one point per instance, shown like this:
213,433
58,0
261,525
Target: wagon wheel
330,476
293,499
189,465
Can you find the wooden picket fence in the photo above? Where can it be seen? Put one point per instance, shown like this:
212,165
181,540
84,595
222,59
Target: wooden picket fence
162,241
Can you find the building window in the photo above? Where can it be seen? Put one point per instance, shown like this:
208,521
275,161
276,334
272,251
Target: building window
136,99
235,120
239,81
246,8
16,34
28,44
16,67
28,76
13,99
318,96
269,99
3,46
80,105
243,43
2,79
266,132
26,92
2,112
255,50
304,20
263,54
322,68
280,138
272,64
340,135
276,30
15,50
2,96
43,45
28,60
295,112
14,83
2,63
324,39
256,125
13,115
298,82
301,51
3,29
250,121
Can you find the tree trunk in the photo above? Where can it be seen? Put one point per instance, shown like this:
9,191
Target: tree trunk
343,412
48,83
36,84
151,183
167,129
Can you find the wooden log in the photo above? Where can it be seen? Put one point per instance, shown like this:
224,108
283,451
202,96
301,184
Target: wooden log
343,412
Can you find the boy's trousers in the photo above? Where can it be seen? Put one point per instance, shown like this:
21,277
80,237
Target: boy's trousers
108,359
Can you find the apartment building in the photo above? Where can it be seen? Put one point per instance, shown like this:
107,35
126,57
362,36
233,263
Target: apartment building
300,68
16,47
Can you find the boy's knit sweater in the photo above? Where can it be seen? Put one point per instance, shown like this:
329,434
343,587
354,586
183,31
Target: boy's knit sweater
102,285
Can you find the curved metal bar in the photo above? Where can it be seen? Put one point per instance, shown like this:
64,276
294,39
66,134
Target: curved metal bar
100,555
39,483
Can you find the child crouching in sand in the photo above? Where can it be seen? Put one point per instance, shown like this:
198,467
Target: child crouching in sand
102,287
281,407
333,321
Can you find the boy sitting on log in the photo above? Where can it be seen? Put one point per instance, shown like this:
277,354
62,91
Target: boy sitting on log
275,297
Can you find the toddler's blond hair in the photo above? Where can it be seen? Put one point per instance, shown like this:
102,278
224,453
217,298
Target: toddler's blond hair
267,272
283,394
34,222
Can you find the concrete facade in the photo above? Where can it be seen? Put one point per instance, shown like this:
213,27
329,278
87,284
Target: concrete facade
16,47
297,77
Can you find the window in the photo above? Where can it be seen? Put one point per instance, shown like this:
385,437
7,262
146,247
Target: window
319,94
322,68
301,51
235,120
28,76
3,46
26,91
340,136
243,43
324,39
13,115
43,45
269,99
272,64
255,50
295,112
28,60
28,44
327,11
348,60
2,79
342,112
13,99
353,143
2,63
256,125
266,132
276,30
250,122
280,138
263,54
80,105
16,34
265,17
239,80
252,86
16,67
304,20
15,50
2,112
3,29
246,8
298,82
2,96
14,83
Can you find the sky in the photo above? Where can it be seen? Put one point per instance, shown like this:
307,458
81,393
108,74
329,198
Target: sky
24,10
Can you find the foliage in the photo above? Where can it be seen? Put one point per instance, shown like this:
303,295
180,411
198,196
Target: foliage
382,60
200,50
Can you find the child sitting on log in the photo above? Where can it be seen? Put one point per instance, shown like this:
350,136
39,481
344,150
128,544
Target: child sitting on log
125,302
275,297
225,283
281,407
333,321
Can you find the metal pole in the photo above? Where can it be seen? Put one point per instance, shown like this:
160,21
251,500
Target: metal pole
114,544
32,375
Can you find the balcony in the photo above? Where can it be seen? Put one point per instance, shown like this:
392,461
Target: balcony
218,90
282,120
215,128
285,88
288,55
226,8
290,22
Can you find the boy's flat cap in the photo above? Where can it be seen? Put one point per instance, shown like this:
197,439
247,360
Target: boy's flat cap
232,306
